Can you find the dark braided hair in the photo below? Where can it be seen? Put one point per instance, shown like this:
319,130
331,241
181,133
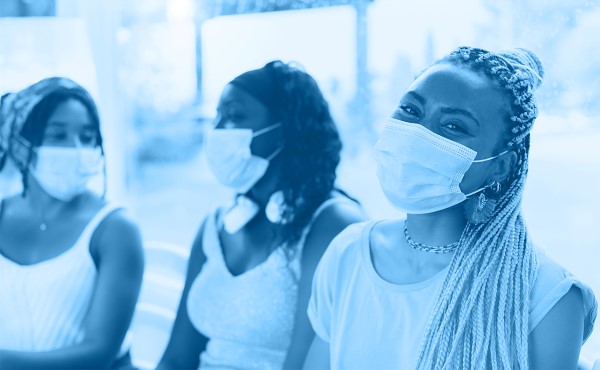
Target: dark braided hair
311,147
519,73
481,317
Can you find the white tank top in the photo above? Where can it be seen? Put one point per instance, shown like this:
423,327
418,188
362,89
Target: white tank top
248,318
43,306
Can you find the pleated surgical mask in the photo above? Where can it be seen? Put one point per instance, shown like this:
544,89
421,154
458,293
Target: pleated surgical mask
64,173
420,171
230,158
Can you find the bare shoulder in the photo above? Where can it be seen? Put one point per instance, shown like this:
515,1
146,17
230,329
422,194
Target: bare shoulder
550,276
117,233
556,342
555,289
567,312
330,222
119,223
342,212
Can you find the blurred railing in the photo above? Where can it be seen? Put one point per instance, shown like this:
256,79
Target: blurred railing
163,282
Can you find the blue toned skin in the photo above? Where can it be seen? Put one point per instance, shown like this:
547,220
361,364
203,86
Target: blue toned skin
465,107
115,247
249,247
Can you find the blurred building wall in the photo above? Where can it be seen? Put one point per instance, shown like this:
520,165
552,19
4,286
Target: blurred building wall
101,18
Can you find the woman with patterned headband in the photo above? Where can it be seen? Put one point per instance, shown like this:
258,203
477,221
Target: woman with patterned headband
457,284
245,297
71,264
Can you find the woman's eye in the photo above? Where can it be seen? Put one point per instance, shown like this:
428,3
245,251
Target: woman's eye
236,117
87,138
410,110
55,136
454,127
232,116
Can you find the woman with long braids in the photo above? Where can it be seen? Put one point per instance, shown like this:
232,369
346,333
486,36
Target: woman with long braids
71,264
457,284
251,266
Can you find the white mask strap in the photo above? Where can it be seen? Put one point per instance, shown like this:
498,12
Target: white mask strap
475,192
274,154
484,160
490,158
266,129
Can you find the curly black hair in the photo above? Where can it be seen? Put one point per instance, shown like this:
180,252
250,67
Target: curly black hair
311,144
35,124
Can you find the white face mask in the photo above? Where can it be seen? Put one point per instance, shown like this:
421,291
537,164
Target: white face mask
230,159
64,172
420,171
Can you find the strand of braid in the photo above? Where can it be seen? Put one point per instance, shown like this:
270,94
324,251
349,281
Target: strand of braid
480,319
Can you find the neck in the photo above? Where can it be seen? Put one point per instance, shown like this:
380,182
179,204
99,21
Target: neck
437,228
266,186
43,204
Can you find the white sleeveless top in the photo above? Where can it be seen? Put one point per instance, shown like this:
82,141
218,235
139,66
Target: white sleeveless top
248,318
371,323
43,306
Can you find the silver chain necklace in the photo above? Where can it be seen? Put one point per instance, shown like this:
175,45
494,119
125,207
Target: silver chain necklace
428,248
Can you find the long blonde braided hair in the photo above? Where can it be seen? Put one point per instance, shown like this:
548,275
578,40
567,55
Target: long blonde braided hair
480,319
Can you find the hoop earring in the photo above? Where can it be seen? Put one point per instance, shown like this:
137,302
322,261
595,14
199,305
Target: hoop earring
495,187
480,208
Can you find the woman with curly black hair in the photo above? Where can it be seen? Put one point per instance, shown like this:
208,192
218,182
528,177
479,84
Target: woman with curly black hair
251,266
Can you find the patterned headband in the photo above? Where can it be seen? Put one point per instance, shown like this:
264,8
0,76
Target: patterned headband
15,108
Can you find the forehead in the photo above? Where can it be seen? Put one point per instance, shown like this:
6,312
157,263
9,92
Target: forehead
70,113
234,96
460,88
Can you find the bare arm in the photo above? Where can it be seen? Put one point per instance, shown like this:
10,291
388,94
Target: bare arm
556,341
326,226
186,343
318,355
120,265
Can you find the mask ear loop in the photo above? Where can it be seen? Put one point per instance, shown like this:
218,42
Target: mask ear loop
266,129
274,154
493,183
495,186
475,192
490,158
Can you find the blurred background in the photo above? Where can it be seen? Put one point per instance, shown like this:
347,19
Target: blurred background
156,69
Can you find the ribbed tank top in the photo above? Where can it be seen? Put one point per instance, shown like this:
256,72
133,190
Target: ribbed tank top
43,306
248,318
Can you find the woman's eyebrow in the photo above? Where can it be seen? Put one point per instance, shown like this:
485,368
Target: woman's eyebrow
61,124
418,97
56,123
464,112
